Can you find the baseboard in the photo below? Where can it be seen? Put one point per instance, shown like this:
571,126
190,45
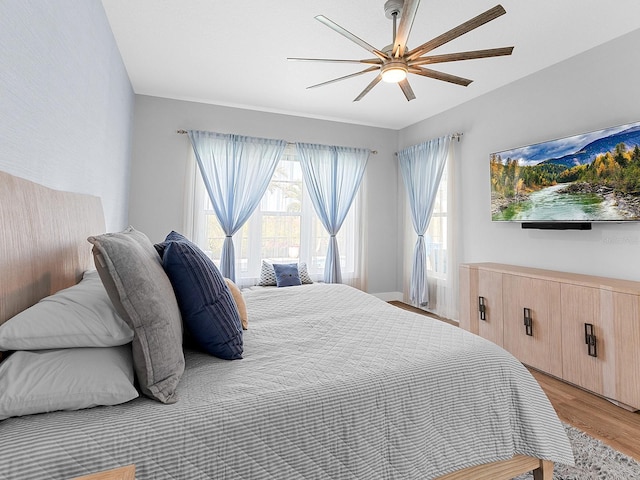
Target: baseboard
389,296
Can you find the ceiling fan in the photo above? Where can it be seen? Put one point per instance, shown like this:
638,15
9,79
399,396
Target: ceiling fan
395,61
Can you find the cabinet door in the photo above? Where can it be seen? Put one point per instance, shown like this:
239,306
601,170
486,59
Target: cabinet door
582,306
615,370
490,291
541,298
476,283
626,346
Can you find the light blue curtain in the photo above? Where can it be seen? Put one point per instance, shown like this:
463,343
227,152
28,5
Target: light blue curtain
332,176
236,171
421,167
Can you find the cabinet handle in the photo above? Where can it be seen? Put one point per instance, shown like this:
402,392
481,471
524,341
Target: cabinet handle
528,322
591,340
482,309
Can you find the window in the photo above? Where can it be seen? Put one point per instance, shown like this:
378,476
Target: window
284,229
442,275
436,237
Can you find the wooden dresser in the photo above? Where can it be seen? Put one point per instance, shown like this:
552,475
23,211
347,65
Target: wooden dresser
582,329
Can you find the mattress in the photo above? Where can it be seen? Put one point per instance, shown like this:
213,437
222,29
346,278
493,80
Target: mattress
334,384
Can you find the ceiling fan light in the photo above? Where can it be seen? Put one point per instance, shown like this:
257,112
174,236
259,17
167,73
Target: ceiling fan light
394,73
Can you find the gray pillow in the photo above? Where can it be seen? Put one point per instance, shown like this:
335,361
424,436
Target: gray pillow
141,292
65,379
79,316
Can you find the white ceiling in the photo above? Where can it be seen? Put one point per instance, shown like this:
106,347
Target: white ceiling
234,53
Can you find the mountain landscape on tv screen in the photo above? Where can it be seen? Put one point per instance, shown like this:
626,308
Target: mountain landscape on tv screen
589,177
589,152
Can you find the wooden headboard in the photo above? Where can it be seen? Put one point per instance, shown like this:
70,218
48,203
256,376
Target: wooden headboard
43,241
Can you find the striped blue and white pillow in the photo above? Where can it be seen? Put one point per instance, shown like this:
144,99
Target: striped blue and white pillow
208,310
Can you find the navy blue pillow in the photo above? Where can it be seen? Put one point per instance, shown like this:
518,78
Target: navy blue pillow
208,310
287,274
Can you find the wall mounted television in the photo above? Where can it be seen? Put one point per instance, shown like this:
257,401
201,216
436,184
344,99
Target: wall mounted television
569,182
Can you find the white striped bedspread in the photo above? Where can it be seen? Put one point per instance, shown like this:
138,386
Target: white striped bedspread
334,384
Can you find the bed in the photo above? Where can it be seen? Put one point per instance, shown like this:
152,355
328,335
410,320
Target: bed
333,384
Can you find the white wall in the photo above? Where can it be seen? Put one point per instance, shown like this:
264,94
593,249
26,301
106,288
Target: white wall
66,108
66,103
159,156
597,89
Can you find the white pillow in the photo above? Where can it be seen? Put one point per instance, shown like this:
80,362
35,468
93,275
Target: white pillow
69,379
78,316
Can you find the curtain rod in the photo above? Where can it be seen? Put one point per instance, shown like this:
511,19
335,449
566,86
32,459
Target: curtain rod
184,132
452,136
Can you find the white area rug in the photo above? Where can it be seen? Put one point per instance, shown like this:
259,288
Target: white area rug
594,461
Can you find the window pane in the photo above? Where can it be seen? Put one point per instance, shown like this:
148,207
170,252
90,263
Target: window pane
436,237
284,193
437,246
346,238
241,247
281,238
319,246
280,214
215,237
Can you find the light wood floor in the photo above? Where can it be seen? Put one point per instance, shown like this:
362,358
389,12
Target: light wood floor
598,417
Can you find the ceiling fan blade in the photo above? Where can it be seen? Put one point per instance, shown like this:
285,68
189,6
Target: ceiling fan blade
345,33
373,83
454,57
407,90
366,70
409,10
454,33
445,77
372,61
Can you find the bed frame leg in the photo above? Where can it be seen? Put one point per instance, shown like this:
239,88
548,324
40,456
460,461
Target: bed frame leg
544,471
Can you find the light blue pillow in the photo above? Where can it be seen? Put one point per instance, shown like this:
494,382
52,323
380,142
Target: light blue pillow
287,274
208,310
